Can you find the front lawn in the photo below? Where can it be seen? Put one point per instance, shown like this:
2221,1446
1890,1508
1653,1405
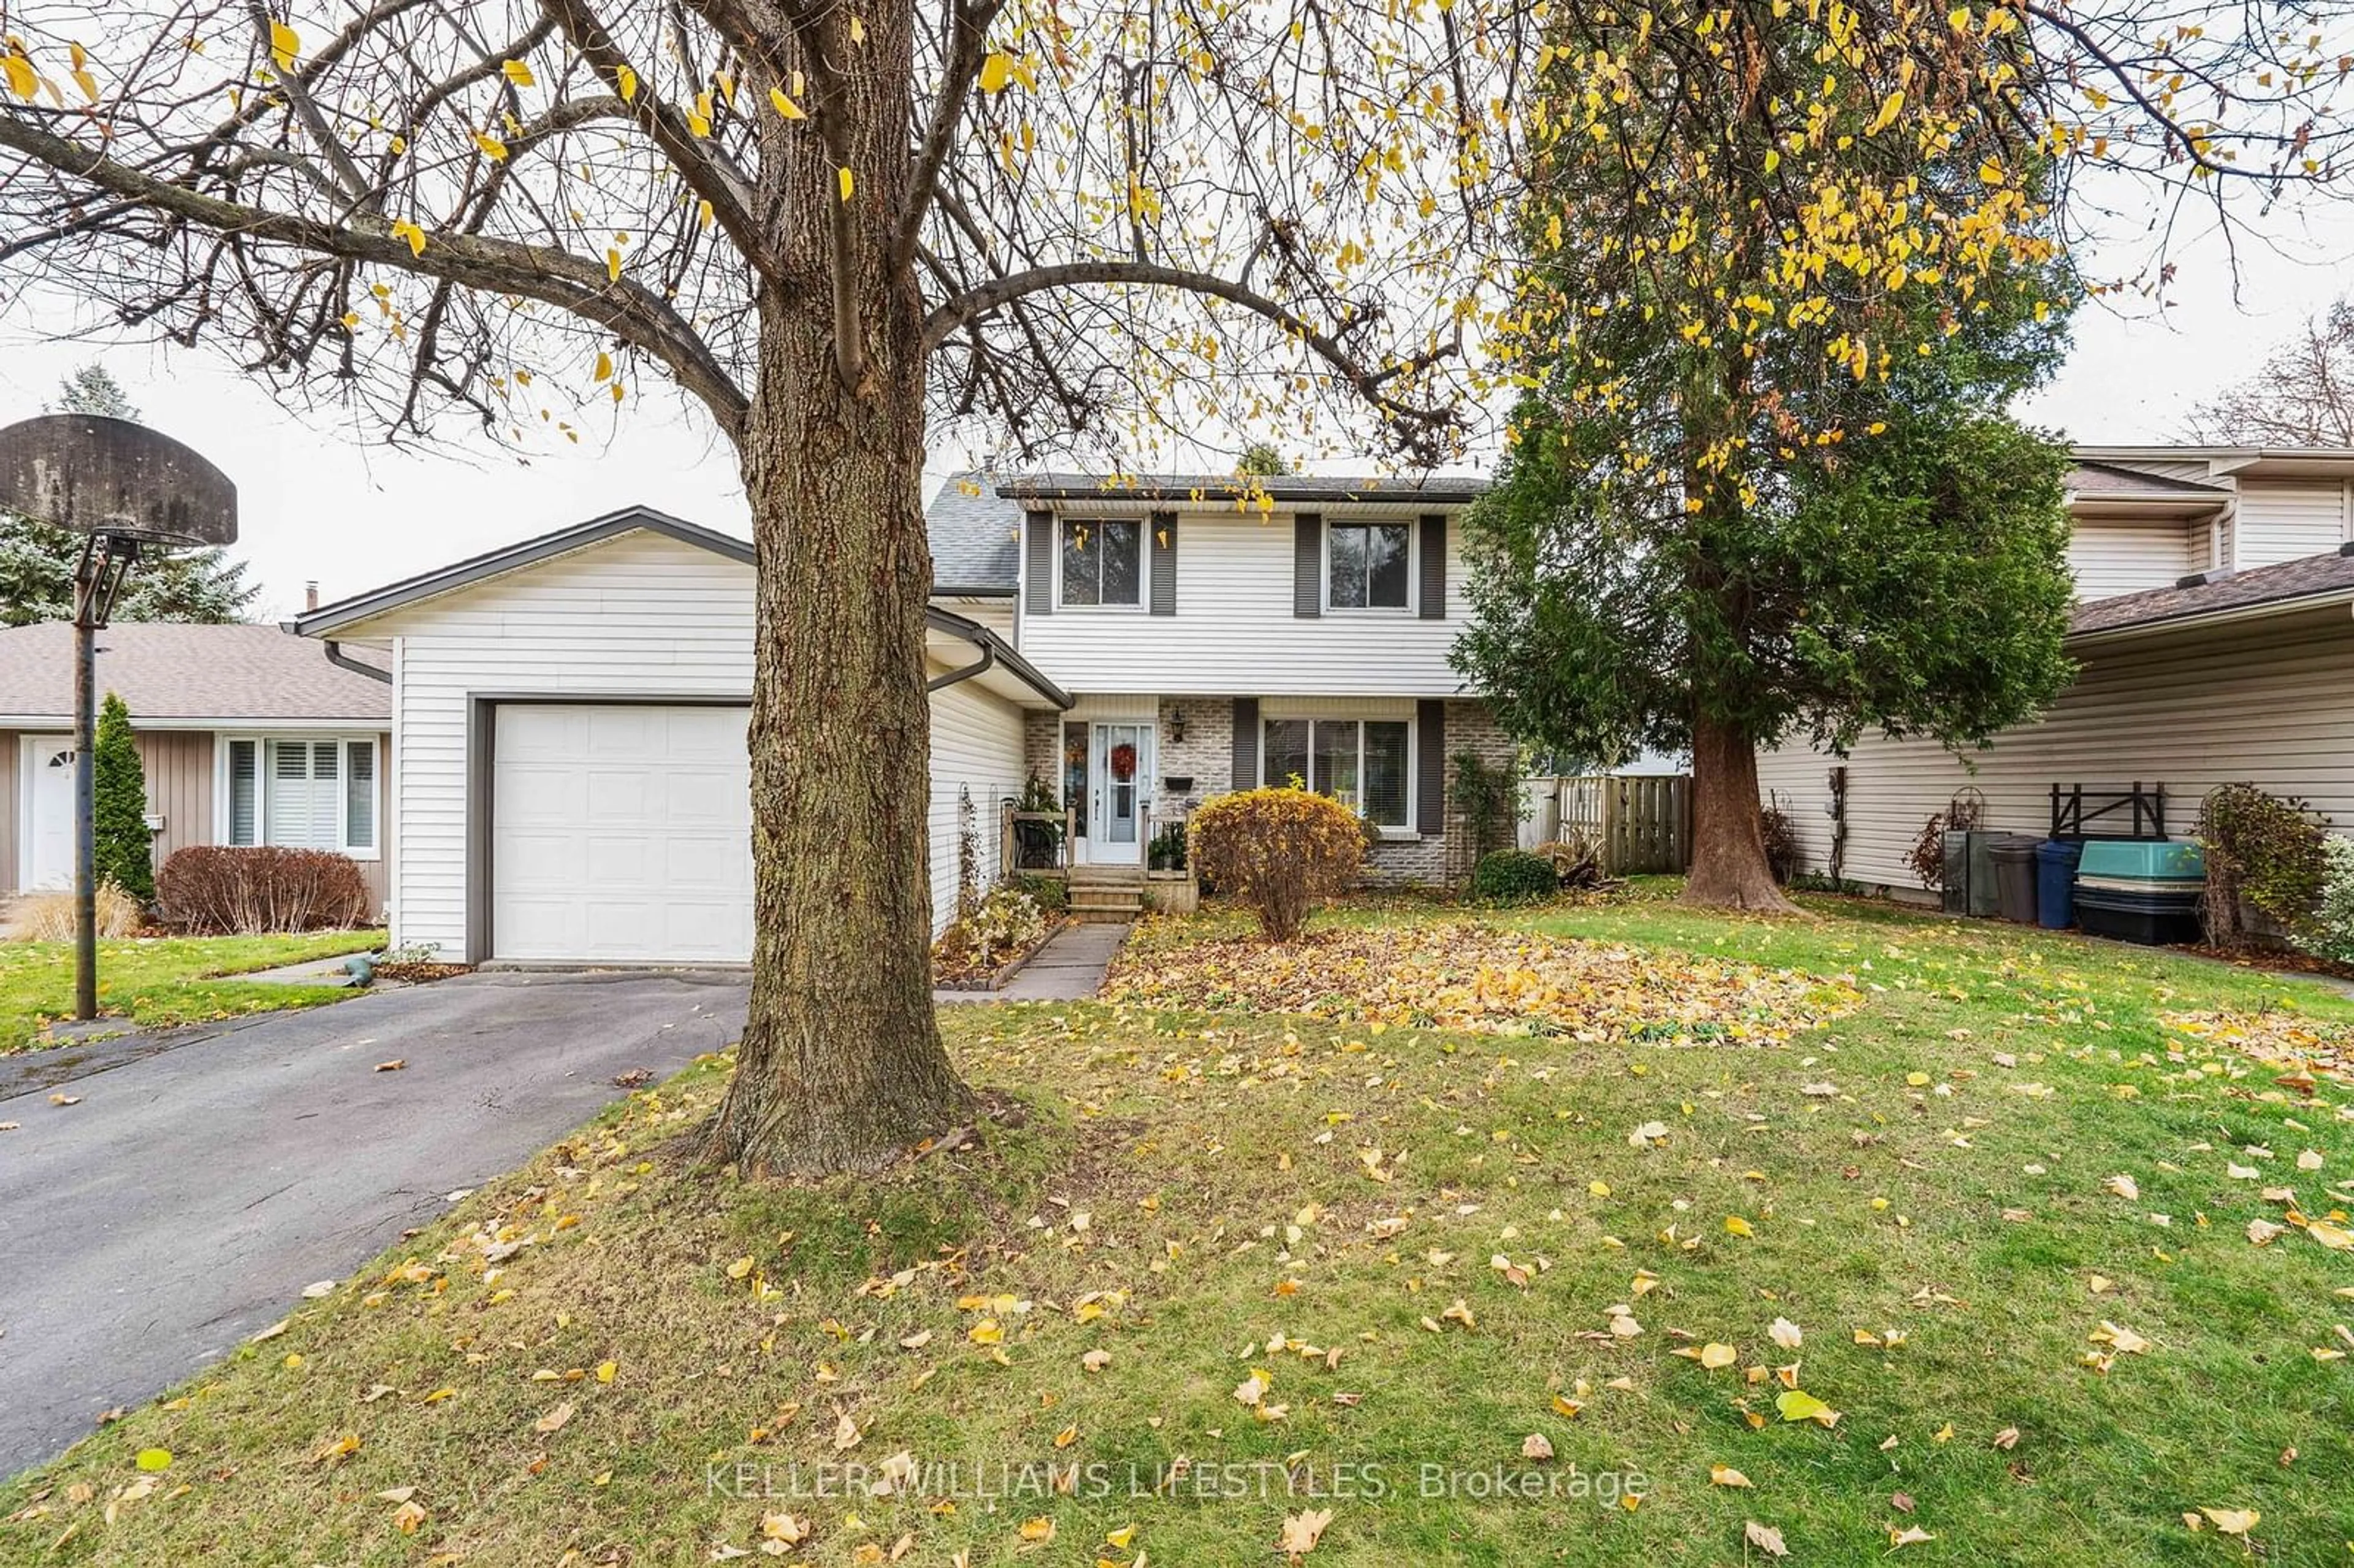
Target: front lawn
1882,1232
149,982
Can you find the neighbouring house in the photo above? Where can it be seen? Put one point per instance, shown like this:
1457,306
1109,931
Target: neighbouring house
572,783
2215,635
249,736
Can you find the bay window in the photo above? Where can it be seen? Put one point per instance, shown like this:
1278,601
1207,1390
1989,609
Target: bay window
311,792
1361,763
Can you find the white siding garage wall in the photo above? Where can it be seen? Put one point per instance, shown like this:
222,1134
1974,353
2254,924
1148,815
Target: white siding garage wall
2271,702
642,616
976,747
639,616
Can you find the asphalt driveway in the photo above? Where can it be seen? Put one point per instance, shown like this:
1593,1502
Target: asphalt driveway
193,1191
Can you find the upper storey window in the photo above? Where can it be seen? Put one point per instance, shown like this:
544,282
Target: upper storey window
1366,565
1103,561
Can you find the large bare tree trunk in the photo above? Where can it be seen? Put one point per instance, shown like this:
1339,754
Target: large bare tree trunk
1729,869
841,1066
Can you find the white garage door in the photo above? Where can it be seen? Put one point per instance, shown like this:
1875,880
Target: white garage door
620,833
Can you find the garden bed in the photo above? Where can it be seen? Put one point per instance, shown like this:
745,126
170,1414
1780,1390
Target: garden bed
1464,975
956,967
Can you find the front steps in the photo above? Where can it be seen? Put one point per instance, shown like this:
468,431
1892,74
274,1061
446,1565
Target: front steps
1107,894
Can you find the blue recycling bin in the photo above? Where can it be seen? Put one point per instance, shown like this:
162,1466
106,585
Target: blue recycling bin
2055,882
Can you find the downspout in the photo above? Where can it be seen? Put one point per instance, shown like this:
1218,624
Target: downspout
982,666
343,660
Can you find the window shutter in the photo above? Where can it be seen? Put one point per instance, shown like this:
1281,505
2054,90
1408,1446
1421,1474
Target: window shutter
1430,766
1434,567
1163,594
1038,564
1245,773
1308,565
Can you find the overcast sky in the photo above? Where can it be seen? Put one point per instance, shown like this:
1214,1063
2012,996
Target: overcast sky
326,503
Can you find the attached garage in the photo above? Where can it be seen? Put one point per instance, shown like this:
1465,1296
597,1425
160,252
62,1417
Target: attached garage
619,833
572,783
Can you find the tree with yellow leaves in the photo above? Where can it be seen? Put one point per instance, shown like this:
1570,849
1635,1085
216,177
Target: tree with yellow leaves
842,230
1792,260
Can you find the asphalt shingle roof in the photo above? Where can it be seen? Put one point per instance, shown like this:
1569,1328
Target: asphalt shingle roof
165,670
2114,482
976,536
2258,585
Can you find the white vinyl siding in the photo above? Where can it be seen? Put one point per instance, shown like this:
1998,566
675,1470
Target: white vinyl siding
976,746
2289,519
638,616
1234,633
2271,702
2111,558
300,792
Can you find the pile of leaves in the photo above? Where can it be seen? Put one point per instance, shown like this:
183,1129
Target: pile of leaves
2303,1047
1463,975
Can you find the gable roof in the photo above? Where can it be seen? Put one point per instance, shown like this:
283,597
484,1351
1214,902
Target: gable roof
328,619
2316,580
174,673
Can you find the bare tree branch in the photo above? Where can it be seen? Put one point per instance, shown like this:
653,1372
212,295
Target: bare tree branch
534,272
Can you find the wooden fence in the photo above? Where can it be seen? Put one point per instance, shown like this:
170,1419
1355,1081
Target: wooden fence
1639,823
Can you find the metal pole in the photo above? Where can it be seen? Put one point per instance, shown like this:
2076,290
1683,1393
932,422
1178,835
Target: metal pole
86,612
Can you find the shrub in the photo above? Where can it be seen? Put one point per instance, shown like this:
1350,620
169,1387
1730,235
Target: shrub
1051,893
49,917
222,890
126,853
1002,922
1282,852
1515,874
1781,843
2328,931
2261,847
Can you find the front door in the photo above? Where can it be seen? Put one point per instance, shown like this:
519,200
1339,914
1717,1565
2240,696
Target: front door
48,783
1119,793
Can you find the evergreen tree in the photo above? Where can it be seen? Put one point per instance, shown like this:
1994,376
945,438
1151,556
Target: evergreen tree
1788,273
119,797
37,561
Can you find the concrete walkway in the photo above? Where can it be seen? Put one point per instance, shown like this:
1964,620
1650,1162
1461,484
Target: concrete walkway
1069,968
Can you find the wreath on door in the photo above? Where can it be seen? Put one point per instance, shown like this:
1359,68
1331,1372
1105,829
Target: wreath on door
1123,762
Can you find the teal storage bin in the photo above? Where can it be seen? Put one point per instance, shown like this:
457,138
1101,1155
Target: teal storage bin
2159,861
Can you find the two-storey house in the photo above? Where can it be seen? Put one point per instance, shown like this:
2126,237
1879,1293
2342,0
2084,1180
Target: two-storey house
2213,633
1219,634
569,777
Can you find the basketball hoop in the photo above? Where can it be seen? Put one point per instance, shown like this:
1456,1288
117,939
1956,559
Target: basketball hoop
123,488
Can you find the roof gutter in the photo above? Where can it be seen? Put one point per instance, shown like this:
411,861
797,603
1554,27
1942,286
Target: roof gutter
994,650
343,660
981,666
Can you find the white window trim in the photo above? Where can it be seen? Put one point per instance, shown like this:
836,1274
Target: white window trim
1143,567
344,742
1403,832
1413,567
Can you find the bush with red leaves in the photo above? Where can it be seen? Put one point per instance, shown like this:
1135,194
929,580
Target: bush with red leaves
241,890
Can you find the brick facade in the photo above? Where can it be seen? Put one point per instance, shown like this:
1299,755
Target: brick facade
1205,755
